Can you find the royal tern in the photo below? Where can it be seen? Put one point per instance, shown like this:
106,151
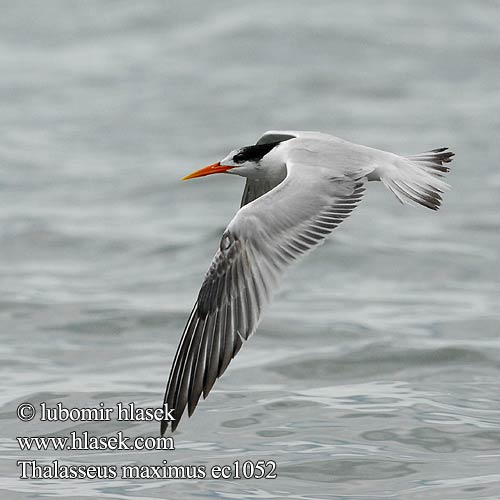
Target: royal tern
300,186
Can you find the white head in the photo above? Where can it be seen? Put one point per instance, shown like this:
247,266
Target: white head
259,160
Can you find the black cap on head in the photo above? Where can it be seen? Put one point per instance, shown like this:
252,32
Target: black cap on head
254,153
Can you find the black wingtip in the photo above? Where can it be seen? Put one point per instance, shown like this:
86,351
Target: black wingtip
163,427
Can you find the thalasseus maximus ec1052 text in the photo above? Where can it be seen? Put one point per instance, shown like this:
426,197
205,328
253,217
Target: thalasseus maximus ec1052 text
300,186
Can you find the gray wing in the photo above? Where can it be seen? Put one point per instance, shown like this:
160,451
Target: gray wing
276,136
263,239
255,188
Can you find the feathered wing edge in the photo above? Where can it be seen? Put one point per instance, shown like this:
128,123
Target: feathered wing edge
227,311
237,286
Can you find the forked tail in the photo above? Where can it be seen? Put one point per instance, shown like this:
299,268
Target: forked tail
417,178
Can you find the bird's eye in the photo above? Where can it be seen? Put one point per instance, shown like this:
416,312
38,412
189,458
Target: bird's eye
239,158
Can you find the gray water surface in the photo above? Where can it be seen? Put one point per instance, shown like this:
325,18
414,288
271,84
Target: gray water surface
375,372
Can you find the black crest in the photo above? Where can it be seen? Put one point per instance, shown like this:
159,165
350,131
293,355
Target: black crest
254,153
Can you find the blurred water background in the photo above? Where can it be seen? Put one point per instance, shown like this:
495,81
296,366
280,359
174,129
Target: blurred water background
375,373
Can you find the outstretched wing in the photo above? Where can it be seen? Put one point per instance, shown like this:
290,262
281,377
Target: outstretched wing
262,240
276,136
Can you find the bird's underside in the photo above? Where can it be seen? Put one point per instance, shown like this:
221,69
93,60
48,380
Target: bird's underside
280,220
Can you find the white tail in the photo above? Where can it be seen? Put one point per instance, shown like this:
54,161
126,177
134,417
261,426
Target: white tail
416,178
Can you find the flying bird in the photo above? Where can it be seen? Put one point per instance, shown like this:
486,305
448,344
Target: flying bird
299,187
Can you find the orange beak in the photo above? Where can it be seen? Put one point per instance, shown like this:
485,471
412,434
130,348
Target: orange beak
216,168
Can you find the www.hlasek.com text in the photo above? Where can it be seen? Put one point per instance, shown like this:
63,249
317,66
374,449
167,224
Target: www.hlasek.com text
86,441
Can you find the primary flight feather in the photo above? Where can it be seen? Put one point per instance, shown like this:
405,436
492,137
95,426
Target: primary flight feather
300,186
